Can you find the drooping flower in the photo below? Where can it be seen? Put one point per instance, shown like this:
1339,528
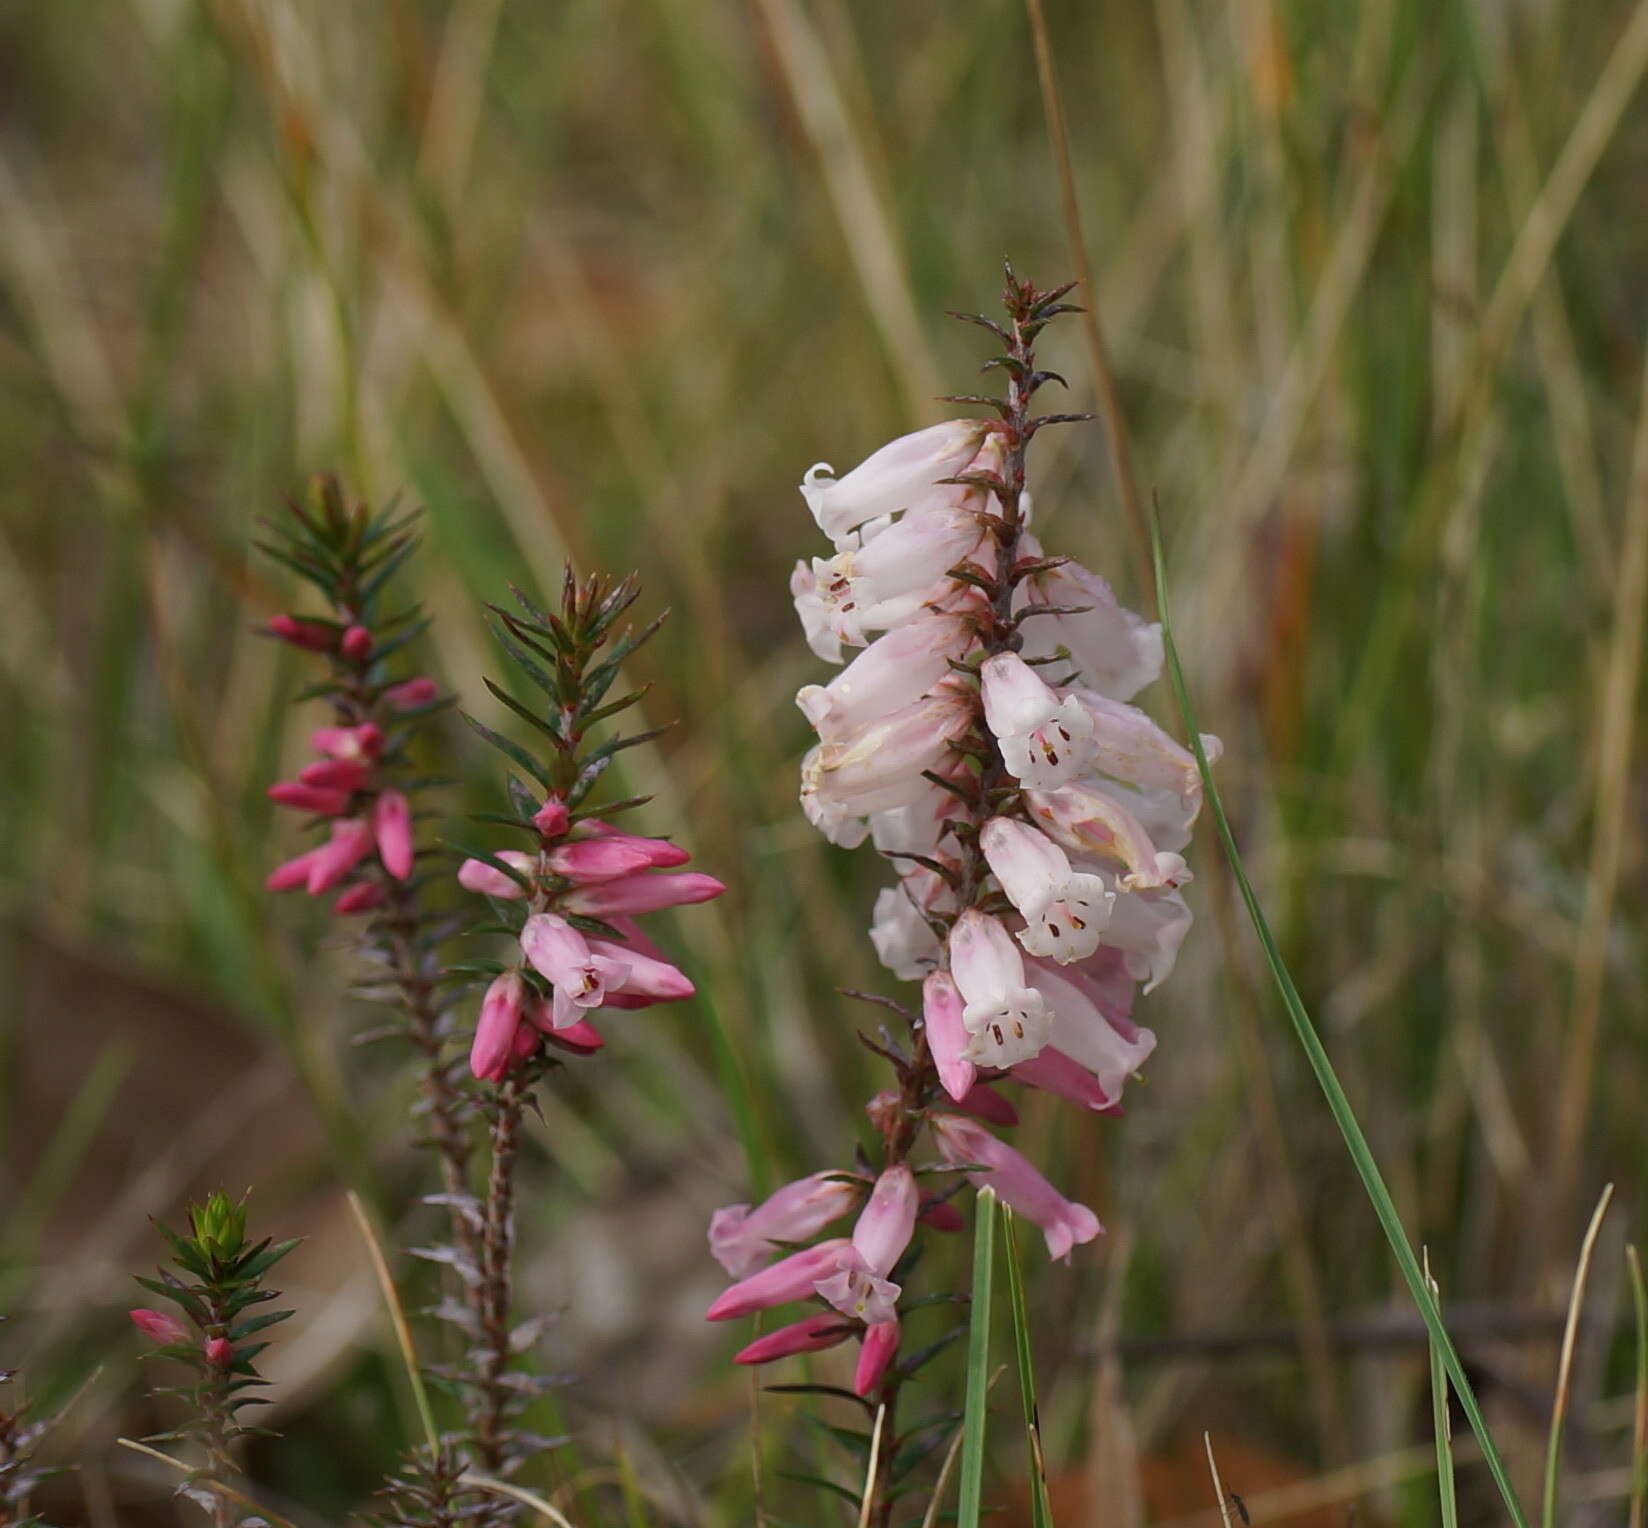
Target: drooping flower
904,474
741,1238
1064,1223
789,1279
809,1335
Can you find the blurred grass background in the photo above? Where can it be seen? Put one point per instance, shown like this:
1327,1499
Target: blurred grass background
601,279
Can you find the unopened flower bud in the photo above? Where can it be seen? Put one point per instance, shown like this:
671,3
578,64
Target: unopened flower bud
312,636
356,644
411,693
552,818
220,1352
158,1326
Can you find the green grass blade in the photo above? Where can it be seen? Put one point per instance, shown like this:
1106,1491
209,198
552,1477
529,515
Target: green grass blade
978,1362
1442,1426
1639,1431
1041,1510
1373,1182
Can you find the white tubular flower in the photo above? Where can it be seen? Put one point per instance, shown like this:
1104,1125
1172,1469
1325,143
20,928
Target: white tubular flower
904,941
844,781
1090,1024
1130,746
892,672
1007,1020
1086,819
1045,740
1064,911
890,579
1148,927
815,619
903,474
1113,650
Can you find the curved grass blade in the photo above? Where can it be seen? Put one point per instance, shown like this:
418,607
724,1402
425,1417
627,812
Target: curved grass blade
1440,1421
1041,1509
1565,1365
978,1362
1356,1142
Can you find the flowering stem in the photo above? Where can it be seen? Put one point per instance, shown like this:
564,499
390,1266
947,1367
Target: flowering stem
495,1288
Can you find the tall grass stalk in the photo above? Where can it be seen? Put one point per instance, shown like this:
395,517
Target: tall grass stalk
1356,1141
978,1361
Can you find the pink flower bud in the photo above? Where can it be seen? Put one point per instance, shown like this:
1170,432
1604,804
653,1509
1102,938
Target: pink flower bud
362,742
582,1038
661,853
158,1326
362,897
220,1352
292,874
643,976
809,1336
791,1278
941,1215
880,1344
552,818
888,1220
599,859
309,798
947,1035
392,827
350,843
409,694
493,1047
335,774
644,893
356,645
478,876
309,635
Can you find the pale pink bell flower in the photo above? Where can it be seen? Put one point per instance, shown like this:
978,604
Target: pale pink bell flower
1112,650
1064,912
888,1219
894,671
1045,739
904,474
1006,1019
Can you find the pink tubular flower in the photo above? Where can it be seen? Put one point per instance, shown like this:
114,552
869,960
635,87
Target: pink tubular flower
1092,1024
880,1344
362,897
1044,740
806,1336
982,1101
350,843
293,873
335,774
1006,1020
791,1278
1064,912
558,952
741,1239
356,644
1114,651
220,1352
644,979
1148,927
582,1038
313,636
661,853
392,827
1054,1072
158,1326
309,798
489,881
409,694
947,1036
894,671
903,474
1064,1223
644,893
888,1219
494,1045
1130,746
599,859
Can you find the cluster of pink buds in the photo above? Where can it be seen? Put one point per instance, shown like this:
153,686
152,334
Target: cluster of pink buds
159,1327
983,739
584,871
